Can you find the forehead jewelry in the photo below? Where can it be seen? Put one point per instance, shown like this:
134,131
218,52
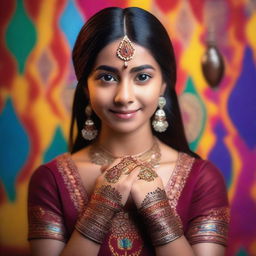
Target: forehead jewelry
125,50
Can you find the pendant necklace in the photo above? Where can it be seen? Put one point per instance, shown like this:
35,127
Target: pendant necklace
101,156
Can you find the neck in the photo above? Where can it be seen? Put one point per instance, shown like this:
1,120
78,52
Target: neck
122,144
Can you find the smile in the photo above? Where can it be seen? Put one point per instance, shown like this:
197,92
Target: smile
129,114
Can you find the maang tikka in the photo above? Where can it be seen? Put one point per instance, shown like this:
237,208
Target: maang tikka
89,132
159,122
125,50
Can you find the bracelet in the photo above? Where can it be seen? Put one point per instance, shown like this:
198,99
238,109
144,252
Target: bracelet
163,226
96,218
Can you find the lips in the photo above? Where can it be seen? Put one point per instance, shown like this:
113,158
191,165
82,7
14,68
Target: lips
127,114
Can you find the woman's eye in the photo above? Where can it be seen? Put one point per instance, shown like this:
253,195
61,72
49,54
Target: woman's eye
143,77
107,78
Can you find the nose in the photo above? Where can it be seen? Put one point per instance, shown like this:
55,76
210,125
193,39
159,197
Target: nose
124,94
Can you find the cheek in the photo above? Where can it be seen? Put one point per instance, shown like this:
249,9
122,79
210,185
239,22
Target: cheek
95,94
99,99
150,97
153,105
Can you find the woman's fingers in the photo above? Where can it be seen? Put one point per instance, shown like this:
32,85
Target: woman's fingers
133,175
147,173
104,168
147,181
119,175
128,174
123,167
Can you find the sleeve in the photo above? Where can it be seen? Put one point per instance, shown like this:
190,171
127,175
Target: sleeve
45,219
209,212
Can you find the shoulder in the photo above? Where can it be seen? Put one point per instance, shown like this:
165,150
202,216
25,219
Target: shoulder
52,166
205,169
208,182
44,181
46,174
200,175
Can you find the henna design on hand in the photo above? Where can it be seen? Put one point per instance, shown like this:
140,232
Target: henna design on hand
147,173
126,165
162,224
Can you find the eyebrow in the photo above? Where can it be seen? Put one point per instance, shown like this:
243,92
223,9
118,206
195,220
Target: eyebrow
107,68
133,70
142,67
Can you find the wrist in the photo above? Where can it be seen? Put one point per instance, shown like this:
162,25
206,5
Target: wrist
160,220
96,218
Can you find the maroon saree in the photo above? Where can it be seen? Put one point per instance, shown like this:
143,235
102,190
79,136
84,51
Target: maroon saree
196,191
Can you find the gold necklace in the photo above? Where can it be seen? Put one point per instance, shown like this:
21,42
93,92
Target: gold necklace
100,156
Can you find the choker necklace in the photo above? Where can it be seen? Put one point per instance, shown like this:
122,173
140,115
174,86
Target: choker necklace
100,156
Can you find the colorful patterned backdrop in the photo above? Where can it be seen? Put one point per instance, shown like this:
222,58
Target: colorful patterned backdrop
37,83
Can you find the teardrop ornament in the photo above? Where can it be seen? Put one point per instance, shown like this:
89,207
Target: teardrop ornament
125,49
213,65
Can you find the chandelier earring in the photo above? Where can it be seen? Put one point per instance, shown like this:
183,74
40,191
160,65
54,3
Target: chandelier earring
89,132
159,122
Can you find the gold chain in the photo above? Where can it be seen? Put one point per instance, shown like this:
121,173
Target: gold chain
100,156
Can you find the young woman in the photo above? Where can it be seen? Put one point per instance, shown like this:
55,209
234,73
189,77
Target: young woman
130,185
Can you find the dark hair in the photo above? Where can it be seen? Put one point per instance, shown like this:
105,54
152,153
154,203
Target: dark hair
144,29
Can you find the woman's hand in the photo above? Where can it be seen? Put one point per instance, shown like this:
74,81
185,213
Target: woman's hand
146,182
110,194
120,176
151,200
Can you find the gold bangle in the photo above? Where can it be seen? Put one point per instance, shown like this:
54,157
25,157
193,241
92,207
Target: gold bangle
162,224
96,218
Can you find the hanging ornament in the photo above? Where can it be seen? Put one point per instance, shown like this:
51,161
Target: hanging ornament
212,65
215,22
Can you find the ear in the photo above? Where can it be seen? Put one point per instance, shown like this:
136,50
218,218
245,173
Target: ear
163,87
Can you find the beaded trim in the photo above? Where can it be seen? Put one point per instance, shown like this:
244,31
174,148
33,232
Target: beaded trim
72,180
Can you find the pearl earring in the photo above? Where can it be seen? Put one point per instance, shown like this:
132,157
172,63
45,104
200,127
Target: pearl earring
89,132
159,122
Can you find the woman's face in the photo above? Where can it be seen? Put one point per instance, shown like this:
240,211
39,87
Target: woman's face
125,98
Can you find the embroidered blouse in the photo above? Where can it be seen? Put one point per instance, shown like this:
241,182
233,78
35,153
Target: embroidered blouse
196,192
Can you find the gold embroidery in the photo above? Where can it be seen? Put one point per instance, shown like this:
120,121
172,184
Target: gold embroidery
45,224
210,228
72,181
125,239
178,179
